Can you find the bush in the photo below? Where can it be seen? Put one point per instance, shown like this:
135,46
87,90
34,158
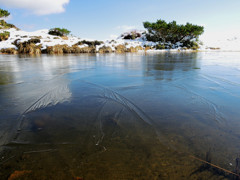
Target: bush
90,43
5,25
164,32
4,36
4,13
59,32
131,35
160,46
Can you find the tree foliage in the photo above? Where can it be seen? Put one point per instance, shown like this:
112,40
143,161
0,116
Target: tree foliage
4,13
59,32
172,33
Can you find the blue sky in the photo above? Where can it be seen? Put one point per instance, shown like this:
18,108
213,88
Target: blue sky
100,19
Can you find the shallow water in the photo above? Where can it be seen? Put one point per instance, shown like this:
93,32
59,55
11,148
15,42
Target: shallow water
129,116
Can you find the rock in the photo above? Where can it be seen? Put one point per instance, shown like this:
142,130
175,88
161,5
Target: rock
120,49
9,51
105,49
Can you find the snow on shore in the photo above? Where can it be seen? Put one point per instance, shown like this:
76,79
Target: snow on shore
229,44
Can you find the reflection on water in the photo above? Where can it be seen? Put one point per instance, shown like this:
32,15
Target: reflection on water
130,116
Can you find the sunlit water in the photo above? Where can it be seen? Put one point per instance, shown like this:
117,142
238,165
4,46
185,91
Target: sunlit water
129,116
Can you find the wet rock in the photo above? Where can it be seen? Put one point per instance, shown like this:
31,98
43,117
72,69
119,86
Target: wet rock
105,49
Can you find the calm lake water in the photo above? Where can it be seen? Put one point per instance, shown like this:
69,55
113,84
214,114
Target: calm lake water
129,116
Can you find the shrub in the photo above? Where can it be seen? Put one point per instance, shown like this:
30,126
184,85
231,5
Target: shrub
5,25
160,46
4,13
59,32
131,35
90,43
4,36
171,32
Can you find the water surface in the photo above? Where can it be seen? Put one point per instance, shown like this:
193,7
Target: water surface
128,116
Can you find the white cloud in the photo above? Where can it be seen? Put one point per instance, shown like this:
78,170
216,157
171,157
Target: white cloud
126,28
39,7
